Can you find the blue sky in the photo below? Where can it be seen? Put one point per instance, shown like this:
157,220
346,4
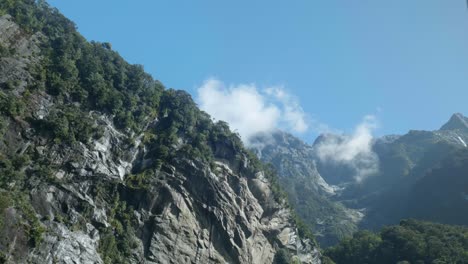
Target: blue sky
406,62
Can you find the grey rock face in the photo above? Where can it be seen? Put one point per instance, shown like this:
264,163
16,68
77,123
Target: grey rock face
191,213
64,246
205,216
99,158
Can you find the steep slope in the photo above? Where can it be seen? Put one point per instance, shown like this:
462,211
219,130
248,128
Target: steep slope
404,161
100,164
419,175
456,122
442,194
404,164
308,192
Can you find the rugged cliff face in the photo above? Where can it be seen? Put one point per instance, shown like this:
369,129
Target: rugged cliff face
100,164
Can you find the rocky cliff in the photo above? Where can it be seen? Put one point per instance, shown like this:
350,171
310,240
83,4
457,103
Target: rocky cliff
100,164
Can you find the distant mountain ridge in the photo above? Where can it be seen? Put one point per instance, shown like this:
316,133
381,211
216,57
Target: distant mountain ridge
456,122
296,164
407,163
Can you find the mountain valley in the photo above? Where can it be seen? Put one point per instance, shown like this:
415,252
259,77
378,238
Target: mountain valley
101,163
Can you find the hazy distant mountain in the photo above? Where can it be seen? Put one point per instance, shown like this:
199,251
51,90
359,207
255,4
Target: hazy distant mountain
456,122
442,194
405,164
308,192
420,174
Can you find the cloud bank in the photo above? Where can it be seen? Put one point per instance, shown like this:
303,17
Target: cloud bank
353,150
250,110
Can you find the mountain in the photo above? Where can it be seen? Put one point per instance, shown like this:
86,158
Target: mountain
444,190
406,162
309,193
99,163
420,174
456,122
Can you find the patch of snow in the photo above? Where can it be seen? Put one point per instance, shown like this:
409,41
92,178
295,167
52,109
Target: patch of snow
462,141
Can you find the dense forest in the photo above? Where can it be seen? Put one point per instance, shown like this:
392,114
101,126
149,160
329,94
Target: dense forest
410,242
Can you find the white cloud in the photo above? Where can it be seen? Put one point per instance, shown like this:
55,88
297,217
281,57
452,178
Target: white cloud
293,114
354,150
250,110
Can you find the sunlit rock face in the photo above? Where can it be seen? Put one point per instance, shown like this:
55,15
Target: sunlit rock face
119,195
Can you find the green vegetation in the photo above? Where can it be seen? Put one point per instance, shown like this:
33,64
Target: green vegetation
282,256
140,180
67,125
11,105
439,196
410,242
5,202
80,77
27,220
76,71
11,173
118,240
34,229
